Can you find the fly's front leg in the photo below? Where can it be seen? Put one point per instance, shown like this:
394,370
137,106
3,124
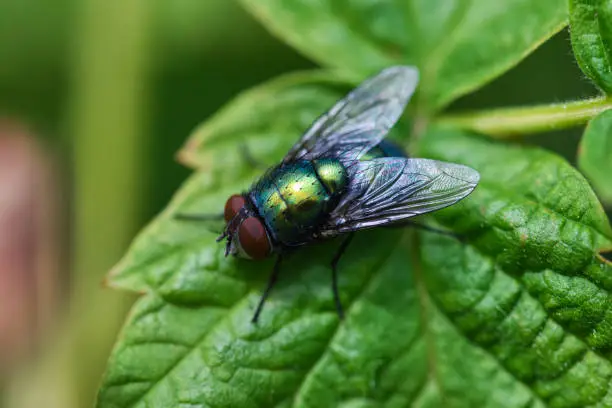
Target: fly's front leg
199,217
248,157
271,282
211,222
334,266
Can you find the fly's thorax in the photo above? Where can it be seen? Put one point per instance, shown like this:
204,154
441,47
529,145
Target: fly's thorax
294,198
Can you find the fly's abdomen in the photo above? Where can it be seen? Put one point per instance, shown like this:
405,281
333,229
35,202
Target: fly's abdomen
294,198
385,148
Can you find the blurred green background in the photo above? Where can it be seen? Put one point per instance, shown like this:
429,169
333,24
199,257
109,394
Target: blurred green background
108,90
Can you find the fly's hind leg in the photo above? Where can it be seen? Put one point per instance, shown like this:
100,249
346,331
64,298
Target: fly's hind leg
423,227
334,266
271,282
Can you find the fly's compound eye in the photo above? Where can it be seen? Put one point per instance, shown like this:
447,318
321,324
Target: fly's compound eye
232,206
253,238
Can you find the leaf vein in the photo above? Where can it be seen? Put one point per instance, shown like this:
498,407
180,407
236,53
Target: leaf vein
177,362
362,291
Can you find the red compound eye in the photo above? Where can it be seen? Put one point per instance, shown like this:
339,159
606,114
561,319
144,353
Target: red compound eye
232,206
253,238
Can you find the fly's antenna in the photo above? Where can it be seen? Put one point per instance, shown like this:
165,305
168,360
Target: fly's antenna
229,248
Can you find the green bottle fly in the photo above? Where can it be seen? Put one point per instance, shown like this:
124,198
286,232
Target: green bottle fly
339,178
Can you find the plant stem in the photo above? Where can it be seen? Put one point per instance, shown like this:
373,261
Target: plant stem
505,123
111,77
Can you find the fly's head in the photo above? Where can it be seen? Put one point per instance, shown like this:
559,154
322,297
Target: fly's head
245,233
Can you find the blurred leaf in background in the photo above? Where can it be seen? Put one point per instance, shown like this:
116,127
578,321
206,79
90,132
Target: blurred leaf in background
457,45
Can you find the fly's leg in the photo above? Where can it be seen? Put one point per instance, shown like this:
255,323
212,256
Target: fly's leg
334,266
427,228
247,156
423,227
211,222
271,282
199,217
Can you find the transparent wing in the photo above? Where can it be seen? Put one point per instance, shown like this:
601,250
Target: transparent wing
390,189
361,120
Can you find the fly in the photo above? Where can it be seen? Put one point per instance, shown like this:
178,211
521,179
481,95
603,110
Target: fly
341,177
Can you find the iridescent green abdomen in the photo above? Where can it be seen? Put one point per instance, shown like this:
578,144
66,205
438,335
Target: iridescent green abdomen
294,198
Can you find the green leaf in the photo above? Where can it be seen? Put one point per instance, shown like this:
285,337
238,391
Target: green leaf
210,354
524,187
591,33
595,154
459,45
512,314
528,287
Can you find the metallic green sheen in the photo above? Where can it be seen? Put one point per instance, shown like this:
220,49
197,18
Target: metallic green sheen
271,206
291,199
332,174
